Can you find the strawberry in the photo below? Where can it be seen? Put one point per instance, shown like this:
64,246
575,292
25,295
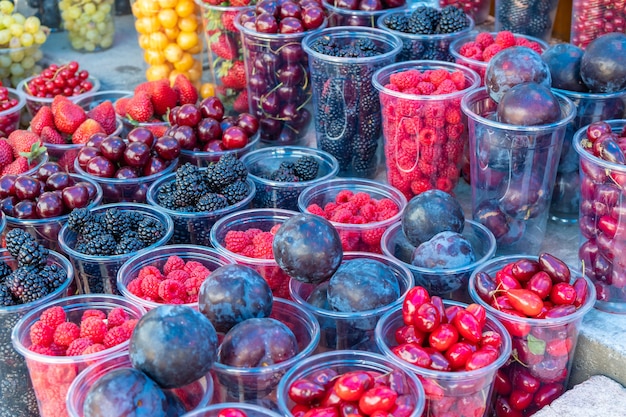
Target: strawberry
85,130
187,93
228,19
42,119
235,78
225,47
144,86
68,116
104,113
67,160
22,141
139,107
6,153
163,97
17,167
240,105
158,130
51,135
120,106
58,99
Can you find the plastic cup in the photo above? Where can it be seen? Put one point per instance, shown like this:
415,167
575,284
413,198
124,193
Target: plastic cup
415,161
90,28
476,9
52,375
97,274
513,170
284,195
10,118
194,227
251,410
533,343
338,16
446,283
533,19
205,158
46,231
584,26
196,395
435,47
34,103
258,384
343,361
349,330
601,203
457,393
25,59
343,85
208,257
363,237
16,395
264,220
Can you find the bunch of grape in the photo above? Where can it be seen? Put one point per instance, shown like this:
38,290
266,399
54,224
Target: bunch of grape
89,25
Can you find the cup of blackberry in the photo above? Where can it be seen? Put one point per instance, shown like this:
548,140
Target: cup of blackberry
533,18
359,12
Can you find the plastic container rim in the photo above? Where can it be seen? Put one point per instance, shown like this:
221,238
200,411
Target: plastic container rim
22,87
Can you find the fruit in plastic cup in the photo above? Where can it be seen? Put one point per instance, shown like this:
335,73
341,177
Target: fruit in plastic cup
468,391
533,18
258,384
344,361
46,230
350,330
206,158
18,63
340,16
513,170
36,163
193,396
52,375
208,257
591,20
264,220
90,26
194,227
34,103
21,398
601,205
284,195
98,274
345,104
537,362
435,47
426,151
476,9
10,118
250,410
446,283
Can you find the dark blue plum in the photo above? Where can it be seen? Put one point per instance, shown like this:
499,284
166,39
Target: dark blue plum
563,59
174,345
446,250
603,65
308,248
429,213
232,294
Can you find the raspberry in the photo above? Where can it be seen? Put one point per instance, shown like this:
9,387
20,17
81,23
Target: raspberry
372,237
41,334
426,88
248,251
150,270
491,50
453,115
454,131
236,240
95,348
454,150
277,280
200,272
505,38
341,216
535,47
419,186
93,328
316,209
252,232
444,184
150,287
450,171
458,78
427,168
173,263
134,287
446,87
438,76
361,198
191,265
484,39
116,317
275,228
263,246
78,346
434,112
53,316
349,240
192,288
58,350
42,350
343,196
66,333
470,50
405,79
386,205
330,207
178,275
93,313
427,136
358,220
170,289
368,211
115,336
129,325
521,41
431,153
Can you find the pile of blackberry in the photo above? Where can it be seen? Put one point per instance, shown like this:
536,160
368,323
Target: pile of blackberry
305,168
526,17
114,232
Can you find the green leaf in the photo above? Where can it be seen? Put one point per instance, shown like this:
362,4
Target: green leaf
536,346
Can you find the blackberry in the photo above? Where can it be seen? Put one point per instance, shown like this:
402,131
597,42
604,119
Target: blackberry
423,21
128,245
337,148
231,163
283,175
364,148
6,299
367,46
332,111
306,168
369,127
5,271
132,233
32,254
54,276
452,20
287,165
81,246
365,167
103,245
368,102
27,285
411,50
78,218
325,45
189,186
235,192
92,230
116,222
399,22
538,25
218,177
149,230
211,202
166,200
134,217
15,239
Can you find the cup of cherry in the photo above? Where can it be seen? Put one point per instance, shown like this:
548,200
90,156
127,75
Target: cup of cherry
541,302
359,12
11,104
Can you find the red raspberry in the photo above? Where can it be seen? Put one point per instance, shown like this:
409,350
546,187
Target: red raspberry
426,88
200,272
358,220
361,198
150,270
392,87
471,50
42,350
129,325
93,313
453,115
535,47
484,39
134,287
95,348
248,251
446,87
411,125
491,50
277,280
41,334
53,316
505,38
170,289
454,131
66,333
444,184
150,287
236,240
458,78
178,275
521,41
420,185
431,153
349,240
386,205
427,168
78,346
115,336
454,150
450,171
173,263
330,208
438,76
372,237
368,211
252,232
58,350
341,216
263,246
93,328
317,210
275,228
405,79
343,196
434,111
427,137
191,265
116,317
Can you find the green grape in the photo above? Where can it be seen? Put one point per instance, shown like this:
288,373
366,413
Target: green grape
74,12
17,56
37,55
5,36
40,37
7,21
14,43
5,60
89,8
16,29
99,16
17,69
6,7
19,19
27,39
32,24
28,62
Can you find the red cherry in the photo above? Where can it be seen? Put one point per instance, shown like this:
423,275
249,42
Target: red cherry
234,138
352,385
75,196
49,205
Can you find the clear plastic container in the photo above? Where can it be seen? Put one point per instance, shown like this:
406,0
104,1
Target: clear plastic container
459,393
19,63
20,398
98,274
251,410
446,283
477,9
206,158
52,375
264,220
208,257
284,195
601,206
258,384
592,19
193,396
412,165
350,330
34,103
90,27
194,227
533,341
338,16
343,361
532,18
513,170
10,118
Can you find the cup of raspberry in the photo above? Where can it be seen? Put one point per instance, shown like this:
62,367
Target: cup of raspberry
11,104
453,348
359,12
234,408
424,129
61,338
383,386
281,173
535,18
171,274
190,397
541,303
476,9
351,302
345,105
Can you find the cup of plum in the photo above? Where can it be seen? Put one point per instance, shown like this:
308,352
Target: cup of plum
359,12
234,408
541,303
453,348
61,338
350,383
188,398
281,173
